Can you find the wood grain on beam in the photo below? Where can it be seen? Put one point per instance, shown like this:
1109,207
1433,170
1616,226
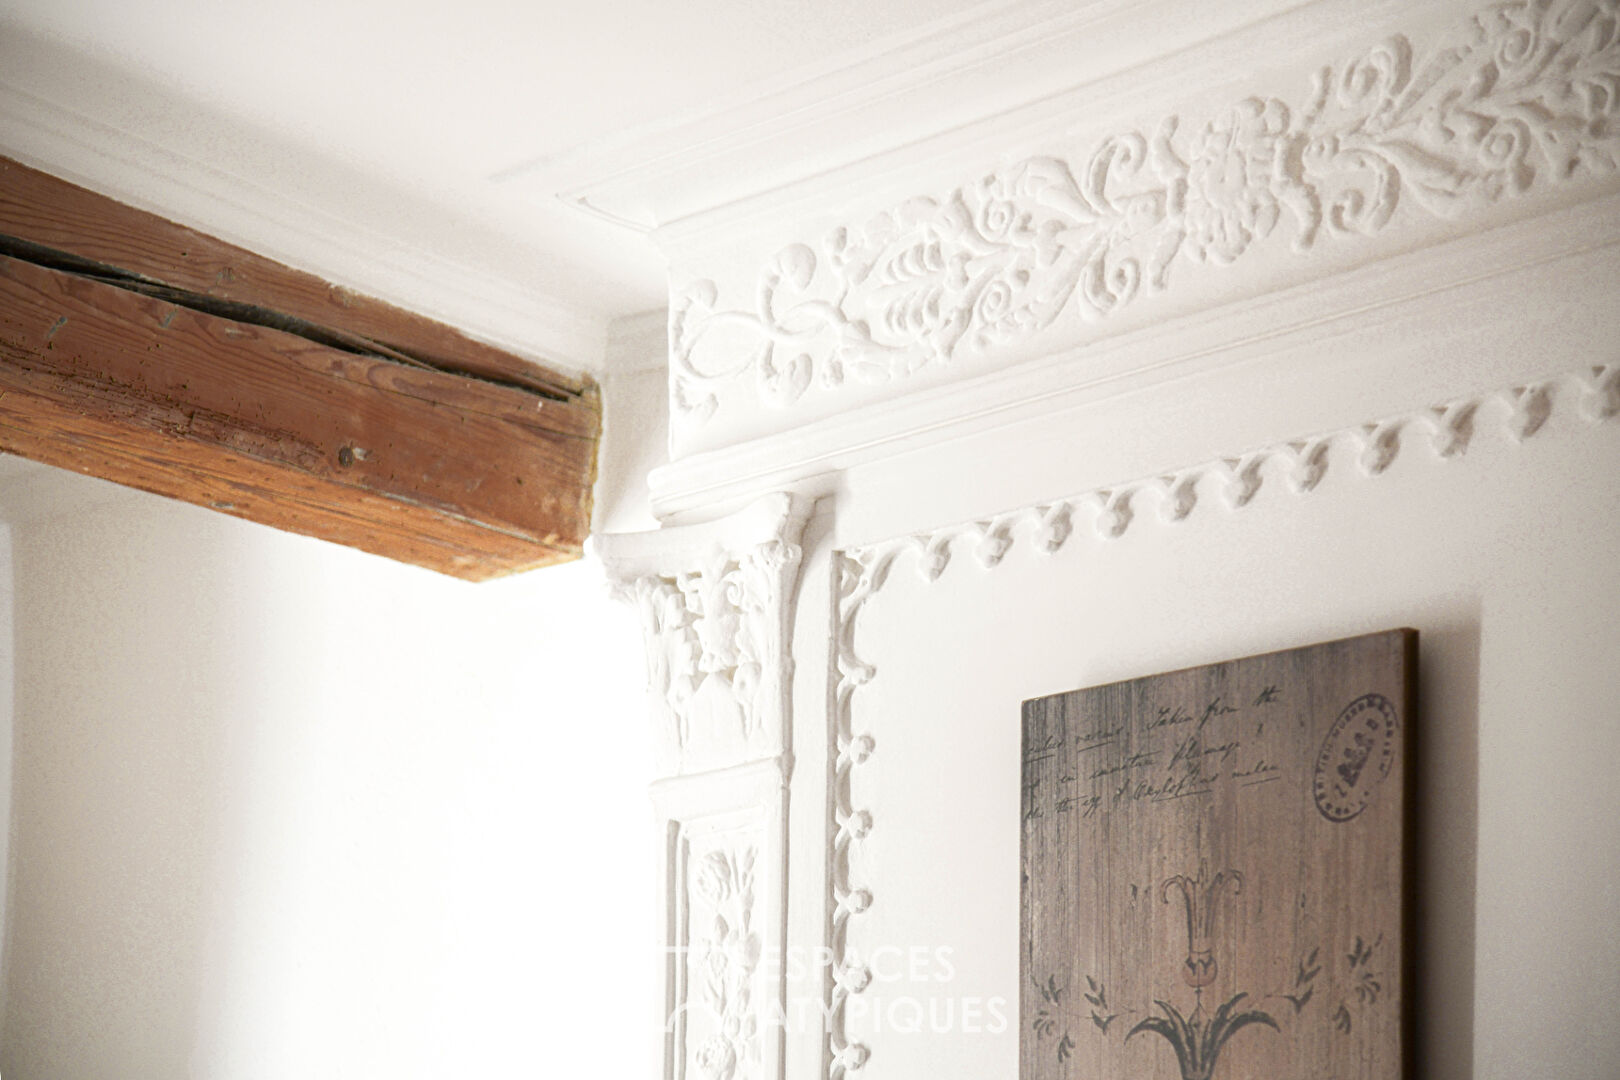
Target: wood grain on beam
41,208
464,475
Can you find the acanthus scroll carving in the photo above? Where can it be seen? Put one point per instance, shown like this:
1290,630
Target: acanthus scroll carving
1523,95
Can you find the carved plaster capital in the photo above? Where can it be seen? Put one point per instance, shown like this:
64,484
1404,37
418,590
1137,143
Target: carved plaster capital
714,601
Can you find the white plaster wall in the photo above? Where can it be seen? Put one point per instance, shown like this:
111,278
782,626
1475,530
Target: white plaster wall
283,809
635,428
7,666
1500,558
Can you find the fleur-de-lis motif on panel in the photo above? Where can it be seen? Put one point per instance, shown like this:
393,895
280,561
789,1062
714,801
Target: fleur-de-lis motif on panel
1198,901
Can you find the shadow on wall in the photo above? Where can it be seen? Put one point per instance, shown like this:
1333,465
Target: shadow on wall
124,646
1442,849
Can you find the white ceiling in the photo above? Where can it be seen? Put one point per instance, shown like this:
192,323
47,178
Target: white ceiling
374,141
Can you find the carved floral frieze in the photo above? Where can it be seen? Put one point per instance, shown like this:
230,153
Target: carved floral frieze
1522,95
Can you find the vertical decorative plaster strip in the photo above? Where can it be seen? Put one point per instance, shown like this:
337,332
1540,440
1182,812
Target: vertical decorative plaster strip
715,603
1521,411
1522,95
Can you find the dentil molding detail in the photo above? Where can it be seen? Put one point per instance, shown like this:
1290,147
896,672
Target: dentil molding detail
1522,96
1448,430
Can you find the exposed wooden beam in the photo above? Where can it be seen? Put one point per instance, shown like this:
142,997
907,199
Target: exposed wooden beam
39,207
142,352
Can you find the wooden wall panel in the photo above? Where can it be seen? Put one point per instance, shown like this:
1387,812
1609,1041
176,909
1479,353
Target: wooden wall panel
1213,870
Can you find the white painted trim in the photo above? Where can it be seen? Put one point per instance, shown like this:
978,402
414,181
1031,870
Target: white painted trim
1090,72
689,548
695,794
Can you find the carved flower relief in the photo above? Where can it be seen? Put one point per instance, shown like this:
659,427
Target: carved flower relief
1554,69
997,212
996,307
713,878
1502,146
728,956
1237,170
729,1053
717,1058
932,272
1010,226
917,295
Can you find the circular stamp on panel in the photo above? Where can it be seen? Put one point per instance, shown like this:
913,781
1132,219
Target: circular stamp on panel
1356,757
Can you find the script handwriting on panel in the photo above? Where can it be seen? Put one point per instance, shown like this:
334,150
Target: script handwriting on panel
1212,870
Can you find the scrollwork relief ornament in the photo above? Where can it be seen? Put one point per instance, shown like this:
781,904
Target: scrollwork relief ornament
857,576
1523,95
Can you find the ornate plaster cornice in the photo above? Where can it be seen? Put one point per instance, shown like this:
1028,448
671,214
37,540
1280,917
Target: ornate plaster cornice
1448,429
1519,98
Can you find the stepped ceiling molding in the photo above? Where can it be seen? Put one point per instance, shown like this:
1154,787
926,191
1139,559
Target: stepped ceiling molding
707,167
1300,147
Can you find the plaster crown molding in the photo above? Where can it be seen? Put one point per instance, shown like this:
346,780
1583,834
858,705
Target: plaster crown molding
1519,99
807,120
713,601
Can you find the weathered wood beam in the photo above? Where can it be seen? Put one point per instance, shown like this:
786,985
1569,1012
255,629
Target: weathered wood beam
145,353
56,214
